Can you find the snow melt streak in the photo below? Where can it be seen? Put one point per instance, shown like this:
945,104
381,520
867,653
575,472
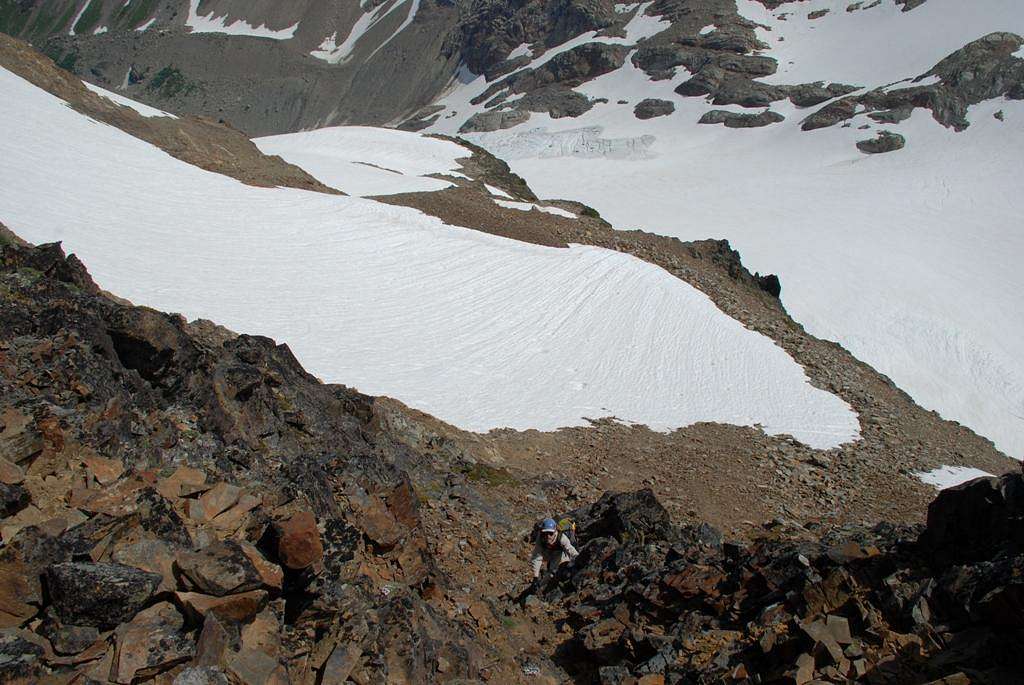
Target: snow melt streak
479,330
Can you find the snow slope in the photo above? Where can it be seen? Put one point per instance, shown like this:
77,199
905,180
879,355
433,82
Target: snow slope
910,260
365,161
479,330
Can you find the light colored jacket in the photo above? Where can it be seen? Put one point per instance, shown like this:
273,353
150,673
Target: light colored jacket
551,558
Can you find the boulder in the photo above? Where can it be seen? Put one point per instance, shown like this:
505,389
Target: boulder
153,642
11,473
99,595
625,516
105,471
155,556
975,520
19,657
71,640
885,141
238,607
227,567
19,592
298,541
20,439
219,498
653,107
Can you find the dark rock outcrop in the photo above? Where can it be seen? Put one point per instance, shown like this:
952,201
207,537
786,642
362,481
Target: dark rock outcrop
679,605
653,107
971,522
740,119
494,120
769,283
177,451
557,101
830,114
982,70
885,141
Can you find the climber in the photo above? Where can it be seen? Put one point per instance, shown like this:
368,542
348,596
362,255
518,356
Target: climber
553,546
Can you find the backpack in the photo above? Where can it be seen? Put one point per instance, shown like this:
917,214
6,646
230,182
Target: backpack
567,527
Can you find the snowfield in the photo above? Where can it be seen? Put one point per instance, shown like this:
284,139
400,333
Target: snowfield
365,161
481,331
910,260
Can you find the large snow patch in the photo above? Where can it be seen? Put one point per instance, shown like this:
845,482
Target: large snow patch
479,330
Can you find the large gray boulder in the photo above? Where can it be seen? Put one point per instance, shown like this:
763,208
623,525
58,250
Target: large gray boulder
99,595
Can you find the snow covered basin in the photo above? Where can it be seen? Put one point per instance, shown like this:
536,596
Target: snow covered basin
481,331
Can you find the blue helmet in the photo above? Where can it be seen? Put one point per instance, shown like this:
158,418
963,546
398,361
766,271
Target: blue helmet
548,525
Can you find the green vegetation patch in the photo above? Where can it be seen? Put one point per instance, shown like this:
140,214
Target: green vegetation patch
489,475
170,82
90,17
